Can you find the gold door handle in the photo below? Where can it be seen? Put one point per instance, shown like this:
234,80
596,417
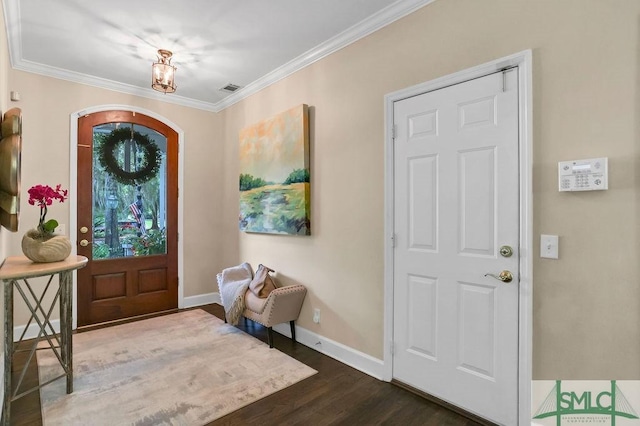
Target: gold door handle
504,276
84,243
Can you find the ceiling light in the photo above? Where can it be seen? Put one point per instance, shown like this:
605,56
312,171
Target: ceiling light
163,73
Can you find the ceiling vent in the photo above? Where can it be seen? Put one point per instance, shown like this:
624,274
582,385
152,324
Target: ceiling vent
230,88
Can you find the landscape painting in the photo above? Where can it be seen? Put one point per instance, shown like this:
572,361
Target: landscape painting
274,174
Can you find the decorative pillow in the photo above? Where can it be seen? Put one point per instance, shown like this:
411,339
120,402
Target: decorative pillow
262,283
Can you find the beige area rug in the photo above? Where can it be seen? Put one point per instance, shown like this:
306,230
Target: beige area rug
188,368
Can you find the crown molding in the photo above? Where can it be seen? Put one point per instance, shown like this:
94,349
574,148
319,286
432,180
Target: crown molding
362,29
375,22
115,86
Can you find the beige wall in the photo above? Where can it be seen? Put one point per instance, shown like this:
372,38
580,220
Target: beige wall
586,100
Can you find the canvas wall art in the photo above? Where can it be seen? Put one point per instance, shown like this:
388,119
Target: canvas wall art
274,174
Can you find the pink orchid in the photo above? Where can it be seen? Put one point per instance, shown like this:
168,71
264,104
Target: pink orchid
43,196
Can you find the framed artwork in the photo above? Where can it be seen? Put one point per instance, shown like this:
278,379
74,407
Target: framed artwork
274,174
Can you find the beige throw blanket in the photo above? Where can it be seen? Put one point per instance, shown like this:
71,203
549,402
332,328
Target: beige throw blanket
233,283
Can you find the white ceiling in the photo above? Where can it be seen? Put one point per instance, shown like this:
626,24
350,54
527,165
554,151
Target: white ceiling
250,43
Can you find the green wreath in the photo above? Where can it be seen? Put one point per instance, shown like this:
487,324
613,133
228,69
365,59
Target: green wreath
152,157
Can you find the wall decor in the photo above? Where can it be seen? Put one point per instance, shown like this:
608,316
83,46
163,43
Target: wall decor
10,151
274,174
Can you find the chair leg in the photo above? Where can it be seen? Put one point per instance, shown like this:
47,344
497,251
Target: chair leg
270,335
293,330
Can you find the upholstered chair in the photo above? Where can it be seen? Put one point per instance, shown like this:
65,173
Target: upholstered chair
282,305
265,301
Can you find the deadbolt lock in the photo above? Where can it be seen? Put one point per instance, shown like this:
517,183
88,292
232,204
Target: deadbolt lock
84,230
506,251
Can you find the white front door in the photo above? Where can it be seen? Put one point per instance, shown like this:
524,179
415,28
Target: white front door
455,206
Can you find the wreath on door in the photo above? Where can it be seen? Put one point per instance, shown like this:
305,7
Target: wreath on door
151,157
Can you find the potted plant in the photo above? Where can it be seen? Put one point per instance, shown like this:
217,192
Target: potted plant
40,244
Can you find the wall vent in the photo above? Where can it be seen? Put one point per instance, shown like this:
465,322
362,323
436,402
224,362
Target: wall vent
230,88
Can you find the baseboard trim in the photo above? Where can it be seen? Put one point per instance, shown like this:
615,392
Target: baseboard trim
360,361
201,299
33,330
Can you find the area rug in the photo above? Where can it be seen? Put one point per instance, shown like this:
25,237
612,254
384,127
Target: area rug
188,368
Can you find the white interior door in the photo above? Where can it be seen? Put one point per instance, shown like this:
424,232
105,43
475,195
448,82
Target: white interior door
455,205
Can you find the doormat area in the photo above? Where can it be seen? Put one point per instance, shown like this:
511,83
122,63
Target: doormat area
188,368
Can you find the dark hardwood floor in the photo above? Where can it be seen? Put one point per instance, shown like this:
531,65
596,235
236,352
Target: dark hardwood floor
337,395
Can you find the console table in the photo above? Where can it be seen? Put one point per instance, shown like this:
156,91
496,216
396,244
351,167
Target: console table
14,273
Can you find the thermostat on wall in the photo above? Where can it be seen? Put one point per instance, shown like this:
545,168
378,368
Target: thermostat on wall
583,175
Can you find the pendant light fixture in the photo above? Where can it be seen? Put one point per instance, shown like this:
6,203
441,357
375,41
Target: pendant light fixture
163,73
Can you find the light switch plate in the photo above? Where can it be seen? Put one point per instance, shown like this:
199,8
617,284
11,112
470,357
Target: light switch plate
549,246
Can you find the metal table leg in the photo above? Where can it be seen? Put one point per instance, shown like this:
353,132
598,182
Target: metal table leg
8,349
66,326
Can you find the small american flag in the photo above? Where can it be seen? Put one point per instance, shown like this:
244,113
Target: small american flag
137,214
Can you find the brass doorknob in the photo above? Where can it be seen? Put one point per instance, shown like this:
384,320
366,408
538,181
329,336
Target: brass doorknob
84,243
504,276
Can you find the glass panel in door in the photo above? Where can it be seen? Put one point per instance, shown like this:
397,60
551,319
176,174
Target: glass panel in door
129,207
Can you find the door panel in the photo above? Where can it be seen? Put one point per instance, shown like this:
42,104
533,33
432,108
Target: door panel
129,227
477,328
477,191
423,203
423,320
455,203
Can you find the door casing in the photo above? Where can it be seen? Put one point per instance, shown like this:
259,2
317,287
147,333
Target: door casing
73,189
523,60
